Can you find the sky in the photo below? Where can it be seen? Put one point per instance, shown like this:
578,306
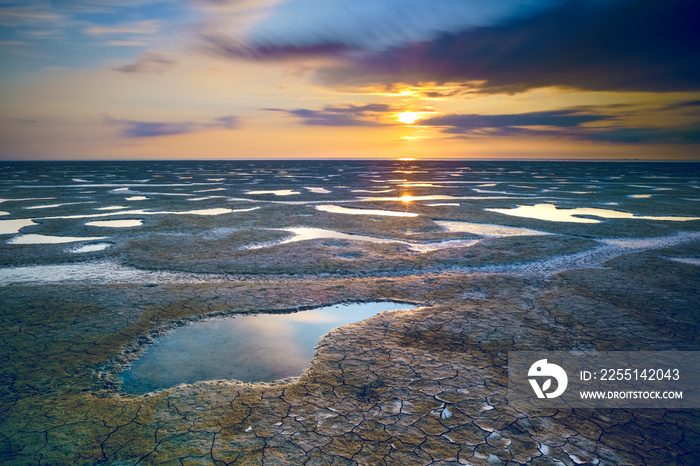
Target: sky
201,79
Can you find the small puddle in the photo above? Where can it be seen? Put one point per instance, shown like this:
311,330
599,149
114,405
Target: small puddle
47,239
116,223
278,192
348,211
249,348
51,206
317,190
306,233
552,213
483,229
112,207
8,227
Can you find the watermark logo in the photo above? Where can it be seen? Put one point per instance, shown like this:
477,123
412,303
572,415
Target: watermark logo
542,368
603,379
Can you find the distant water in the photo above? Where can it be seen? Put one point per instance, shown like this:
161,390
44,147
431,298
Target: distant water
63,211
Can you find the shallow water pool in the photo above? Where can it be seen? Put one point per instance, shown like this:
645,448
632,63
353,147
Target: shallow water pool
249,348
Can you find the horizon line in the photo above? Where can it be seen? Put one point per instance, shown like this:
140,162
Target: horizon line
396,159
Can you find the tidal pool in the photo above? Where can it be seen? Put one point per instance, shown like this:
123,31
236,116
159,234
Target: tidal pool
306,233
249,348
552,213
116,223
483,229
278,192
47,239
346,210
317,190
8,227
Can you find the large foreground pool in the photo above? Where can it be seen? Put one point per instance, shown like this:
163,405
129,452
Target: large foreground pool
249,348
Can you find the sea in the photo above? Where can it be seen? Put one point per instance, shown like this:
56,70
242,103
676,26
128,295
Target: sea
100,221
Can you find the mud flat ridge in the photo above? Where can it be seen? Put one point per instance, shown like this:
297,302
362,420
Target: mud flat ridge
420,386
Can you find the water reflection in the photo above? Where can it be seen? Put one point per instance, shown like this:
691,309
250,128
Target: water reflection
306,233
8,227
204,212
111,207
483,229
278,192
317,190
346,210
115,223
46,239
552,213
254,348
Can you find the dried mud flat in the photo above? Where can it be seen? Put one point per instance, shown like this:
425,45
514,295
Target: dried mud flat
420,386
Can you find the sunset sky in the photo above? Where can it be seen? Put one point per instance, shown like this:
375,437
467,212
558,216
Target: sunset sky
536,79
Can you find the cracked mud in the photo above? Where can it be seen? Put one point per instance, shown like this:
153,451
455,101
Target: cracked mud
405,387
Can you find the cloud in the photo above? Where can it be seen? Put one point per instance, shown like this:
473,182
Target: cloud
616,45
646,136
563,123
559,118
227,122
146,129
342,115
125,43
13,43
19,15
141,27
378,24
150,62
98,6
692,105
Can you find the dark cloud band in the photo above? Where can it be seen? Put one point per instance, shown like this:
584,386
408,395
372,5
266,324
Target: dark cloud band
618,45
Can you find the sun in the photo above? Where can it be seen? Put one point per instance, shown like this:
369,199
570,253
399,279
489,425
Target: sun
407,117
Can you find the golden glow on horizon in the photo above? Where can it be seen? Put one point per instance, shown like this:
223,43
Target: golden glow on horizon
408,117
71,128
